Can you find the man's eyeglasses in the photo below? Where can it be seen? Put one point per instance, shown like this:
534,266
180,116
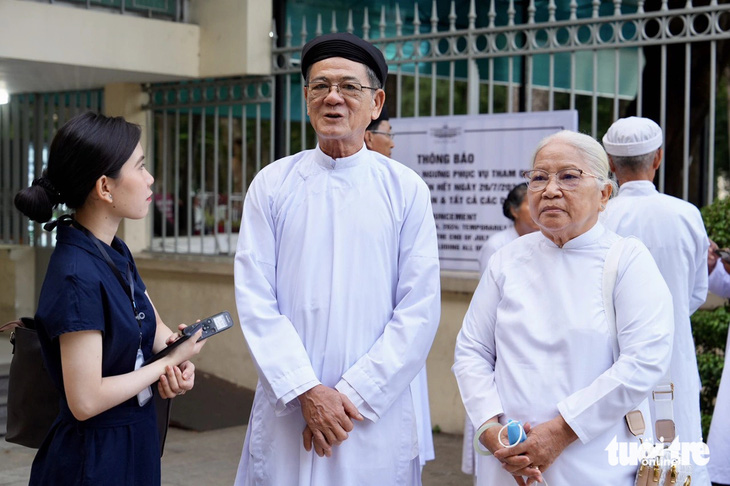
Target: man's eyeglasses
567,179
350,89
387,134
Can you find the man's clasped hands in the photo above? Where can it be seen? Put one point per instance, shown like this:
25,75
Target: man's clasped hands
329,415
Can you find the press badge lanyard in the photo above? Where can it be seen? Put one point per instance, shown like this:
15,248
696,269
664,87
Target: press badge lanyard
144,396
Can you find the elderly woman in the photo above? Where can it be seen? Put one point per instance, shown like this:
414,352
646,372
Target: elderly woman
536,345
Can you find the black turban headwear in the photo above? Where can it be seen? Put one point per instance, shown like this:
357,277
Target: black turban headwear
382,117
344,45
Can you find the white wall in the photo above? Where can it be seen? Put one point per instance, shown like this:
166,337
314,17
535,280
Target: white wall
58,34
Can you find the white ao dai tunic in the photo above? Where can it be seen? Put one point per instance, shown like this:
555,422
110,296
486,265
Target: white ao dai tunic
337,282
535,343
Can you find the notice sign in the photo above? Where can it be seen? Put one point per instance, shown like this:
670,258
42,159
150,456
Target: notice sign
470,163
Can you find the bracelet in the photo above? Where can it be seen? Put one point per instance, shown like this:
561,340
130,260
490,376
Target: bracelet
485,452
479,432
499,437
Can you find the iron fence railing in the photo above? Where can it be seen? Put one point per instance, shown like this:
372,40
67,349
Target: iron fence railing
605,59
209,138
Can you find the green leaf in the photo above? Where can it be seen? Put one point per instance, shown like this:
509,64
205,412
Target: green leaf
717,221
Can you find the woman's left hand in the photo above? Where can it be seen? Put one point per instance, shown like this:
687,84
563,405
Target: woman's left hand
177,380
545,442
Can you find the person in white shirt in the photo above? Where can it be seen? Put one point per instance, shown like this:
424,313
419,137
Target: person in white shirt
379,135
536,346
516,209
718,439
337,289
675,234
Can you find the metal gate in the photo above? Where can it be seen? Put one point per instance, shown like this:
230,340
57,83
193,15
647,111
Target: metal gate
209,138
607,59
27,126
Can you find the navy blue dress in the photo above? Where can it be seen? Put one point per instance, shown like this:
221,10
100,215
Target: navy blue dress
80,292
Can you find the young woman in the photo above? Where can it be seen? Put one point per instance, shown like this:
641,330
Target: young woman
95,321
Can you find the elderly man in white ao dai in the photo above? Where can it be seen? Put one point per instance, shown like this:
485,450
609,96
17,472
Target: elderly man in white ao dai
674,233
337,286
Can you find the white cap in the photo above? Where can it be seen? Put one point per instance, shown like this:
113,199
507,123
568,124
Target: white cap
632,136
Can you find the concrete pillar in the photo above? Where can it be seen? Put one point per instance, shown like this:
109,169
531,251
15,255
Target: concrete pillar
127,100
234,37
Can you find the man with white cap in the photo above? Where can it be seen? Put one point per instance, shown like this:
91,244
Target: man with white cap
338,291
673,231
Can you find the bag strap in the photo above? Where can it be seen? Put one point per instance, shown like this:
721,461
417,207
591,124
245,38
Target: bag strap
10,326
610,274
663,393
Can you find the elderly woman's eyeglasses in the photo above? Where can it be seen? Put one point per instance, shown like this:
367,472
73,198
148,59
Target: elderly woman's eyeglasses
567,179
349,89
387,134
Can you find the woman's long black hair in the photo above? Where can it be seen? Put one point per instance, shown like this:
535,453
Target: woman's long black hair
87,147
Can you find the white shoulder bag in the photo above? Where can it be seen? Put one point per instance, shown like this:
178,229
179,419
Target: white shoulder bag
665,467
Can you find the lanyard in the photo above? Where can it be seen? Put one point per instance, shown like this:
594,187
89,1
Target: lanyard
127,285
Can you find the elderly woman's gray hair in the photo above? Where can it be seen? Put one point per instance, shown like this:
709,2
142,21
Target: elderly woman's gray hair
593,155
